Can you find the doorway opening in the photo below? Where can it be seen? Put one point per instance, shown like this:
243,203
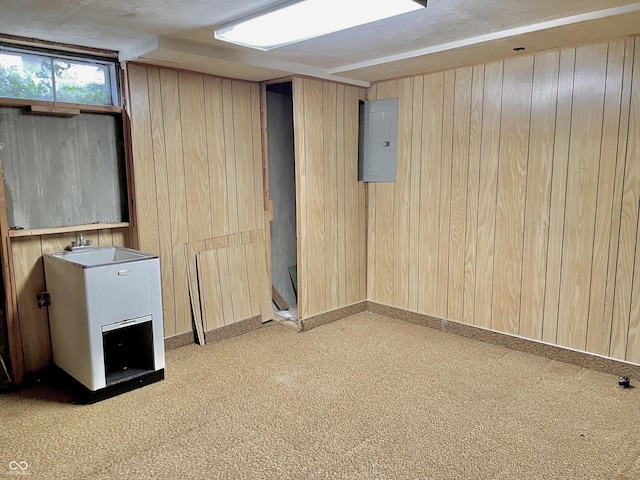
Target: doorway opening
282,193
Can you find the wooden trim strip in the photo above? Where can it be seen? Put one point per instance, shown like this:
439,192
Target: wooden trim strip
19,102
54,111
11,299
535,347
90,108
328,317
73,228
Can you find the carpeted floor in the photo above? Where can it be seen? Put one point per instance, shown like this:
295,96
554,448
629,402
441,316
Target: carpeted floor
366,397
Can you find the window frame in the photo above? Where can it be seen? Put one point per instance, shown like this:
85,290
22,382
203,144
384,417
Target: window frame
111,63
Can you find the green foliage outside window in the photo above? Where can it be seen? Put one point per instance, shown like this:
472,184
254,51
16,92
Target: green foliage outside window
30,77
32,83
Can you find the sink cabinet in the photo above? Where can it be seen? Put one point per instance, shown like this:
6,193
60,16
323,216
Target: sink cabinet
106,318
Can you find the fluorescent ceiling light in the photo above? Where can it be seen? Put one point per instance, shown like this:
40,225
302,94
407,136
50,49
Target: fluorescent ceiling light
292,22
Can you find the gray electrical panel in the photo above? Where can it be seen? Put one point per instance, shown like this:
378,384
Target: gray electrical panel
377,145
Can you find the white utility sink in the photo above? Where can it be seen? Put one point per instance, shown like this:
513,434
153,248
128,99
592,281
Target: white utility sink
95,257
105,315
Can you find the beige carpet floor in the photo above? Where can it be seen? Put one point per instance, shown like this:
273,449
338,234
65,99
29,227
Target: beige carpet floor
366,397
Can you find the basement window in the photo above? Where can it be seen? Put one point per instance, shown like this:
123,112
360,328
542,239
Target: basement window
34,75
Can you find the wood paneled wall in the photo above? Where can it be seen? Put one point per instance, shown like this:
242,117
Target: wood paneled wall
198,169
330,200
28,270
517,198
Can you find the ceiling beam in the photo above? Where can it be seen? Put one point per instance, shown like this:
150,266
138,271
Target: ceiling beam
231,55
466,42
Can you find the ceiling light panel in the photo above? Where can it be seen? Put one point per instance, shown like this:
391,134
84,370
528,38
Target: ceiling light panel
296,21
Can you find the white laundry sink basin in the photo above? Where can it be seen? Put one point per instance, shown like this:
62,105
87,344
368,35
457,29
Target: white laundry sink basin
94,257
97,295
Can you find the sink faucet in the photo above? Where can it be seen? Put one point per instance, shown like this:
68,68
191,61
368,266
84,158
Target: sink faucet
81,243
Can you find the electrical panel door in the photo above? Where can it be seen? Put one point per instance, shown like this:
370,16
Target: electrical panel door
377,147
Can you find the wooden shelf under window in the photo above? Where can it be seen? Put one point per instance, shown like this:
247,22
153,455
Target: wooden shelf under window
16,102
55,111
73,228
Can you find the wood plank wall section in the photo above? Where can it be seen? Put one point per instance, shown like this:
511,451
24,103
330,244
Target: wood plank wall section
197,169
330,200
29,276
520,183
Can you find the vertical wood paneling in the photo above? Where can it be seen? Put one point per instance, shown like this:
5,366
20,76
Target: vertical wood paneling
582,182
162,198
633,337
299,140
330,200
536,226
216,154
29,281
194,147
105,237
256,133
384,237
361,244
621,330
198,172
430,159
209,281
329,125
314,155
616,211
471,229
239,283
243,148
341,205
228,312
177,199
445,194
558,188
459,182
402,194
145,187
414,202
354,198
598,328
510,206
230,155
58,242
372,233
491,121
529,198
123,238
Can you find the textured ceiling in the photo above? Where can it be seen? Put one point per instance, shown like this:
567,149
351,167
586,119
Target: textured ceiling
448,33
